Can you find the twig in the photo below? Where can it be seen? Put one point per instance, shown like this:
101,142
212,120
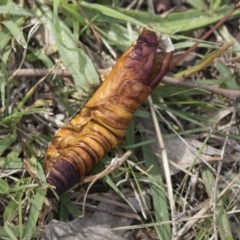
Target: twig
39,72
231,94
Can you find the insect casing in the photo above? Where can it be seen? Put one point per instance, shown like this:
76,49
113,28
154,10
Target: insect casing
101,125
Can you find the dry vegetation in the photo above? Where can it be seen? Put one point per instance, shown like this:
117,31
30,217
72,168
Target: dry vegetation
183,187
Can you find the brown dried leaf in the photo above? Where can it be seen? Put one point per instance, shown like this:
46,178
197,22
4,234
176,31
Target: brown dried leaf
218,115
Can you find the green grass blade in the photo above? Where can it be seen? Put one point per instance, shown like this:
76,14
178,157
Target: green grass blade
181,21
6,142
112,13
15,31
11,209
159,198
222,218
67,207
200,4
118,191
35,210
204,230
14,9
9,231
215,4
4,187
15,231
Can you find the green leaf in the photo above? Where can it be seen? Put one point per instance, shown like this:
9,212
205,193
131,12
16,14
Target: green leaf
226,36
11,209
223,70
199,4
5,35
22,187
15,31
129,137
37,169
11,162
78,63
14,10
9,231
35,210
4,232
231,84
204,230
67,207
215,4
187,116
72,11
3,79
4,188
112,13
159,198
6,142
181,21
118,36
118,191
15,117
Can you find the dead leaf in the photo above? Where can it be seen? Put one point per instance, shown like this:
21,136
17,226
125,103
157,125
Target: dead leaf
80,229
182,152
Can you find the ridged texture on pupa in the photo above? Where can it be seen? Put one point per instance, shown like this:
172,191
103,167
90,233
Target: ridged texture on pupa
101,125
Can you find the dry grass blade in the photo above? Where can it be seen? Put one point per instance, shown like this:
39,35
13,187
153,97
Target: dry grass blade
187,226
165,164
